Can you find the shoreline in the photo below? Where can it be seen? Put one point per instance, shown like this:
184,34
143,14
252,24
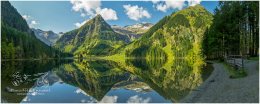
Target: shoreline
195,93
219,88
36,59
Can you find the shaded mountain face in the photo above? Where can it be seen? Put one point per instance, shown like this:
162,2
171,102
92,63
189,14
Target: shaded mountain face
133,32
12,18
177,35
17,40
48,37
95,37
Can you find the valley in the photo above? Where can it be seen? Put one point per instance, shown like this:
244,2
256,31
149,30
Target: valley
153,52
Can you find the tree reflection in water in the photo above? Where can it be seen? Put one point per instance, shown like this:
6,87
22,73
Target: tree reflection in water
172,80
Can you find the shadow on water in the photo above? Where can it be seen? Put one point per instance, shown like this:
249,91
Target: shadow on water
145,64
19,76
152,80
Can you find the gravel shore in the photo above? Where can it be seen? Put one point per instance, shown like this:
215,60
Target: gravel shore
219,88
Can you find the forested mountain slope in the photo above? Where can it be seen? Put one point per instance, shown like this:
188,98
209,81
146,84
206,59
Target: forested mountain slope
95,37
17,40
177,35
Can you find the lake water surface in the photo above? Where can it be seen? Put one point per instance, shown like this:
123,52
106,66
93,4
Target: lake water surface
89,81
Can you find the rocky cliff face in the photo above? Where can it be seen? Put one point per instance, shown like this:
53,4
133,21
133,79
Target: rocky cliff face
48,37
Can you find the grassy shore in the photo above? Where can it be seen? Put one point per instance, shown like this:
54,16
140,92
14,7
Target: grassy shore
234,73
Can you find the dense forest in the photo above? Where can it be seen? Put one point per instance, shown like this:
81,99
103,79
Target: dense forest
188,33
235,30
18,41
177,36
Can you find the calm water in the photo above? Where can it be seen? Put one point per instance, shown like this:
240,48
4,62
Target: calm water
133,81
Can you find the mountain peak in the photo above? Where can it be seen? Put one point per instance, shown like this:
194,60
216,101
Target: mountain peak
99,17
195,11
198,6
96,36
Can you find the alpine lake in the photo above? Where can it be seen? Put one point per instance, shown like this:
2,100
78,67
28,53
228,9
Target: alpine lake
104,81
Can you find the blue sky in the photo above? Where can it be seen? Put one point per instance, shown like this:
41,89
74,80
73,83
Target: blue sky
63,16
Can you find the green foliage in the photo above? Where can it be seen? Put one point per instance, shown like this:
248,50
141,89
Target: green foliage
17,40
179,19
235,30
235,73
254,58
12,18
95,37
155,52
146,64
20,45
173,81
8,50
94,77
138,52
176,36
68,48
101,49
155,27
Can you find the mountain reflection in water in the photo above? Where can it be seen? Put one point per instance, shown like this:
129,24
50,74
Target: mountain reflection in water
134,81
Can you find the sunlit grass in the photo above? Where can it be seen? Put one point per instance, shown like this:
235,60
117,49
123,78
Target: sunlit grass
68,48
115,57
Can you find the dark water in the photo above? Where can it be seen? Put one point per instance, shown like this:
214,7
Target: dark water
75,81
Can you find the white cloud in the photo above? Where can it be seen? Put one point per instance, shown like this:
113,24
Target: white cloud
82,100
105,99
26,99
26,17
86,6
175,4
109,99
172,4
79,91
82,14
91,8
80,24
161,7
193,2
30,20
135,12
33,23
107,14
137,99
